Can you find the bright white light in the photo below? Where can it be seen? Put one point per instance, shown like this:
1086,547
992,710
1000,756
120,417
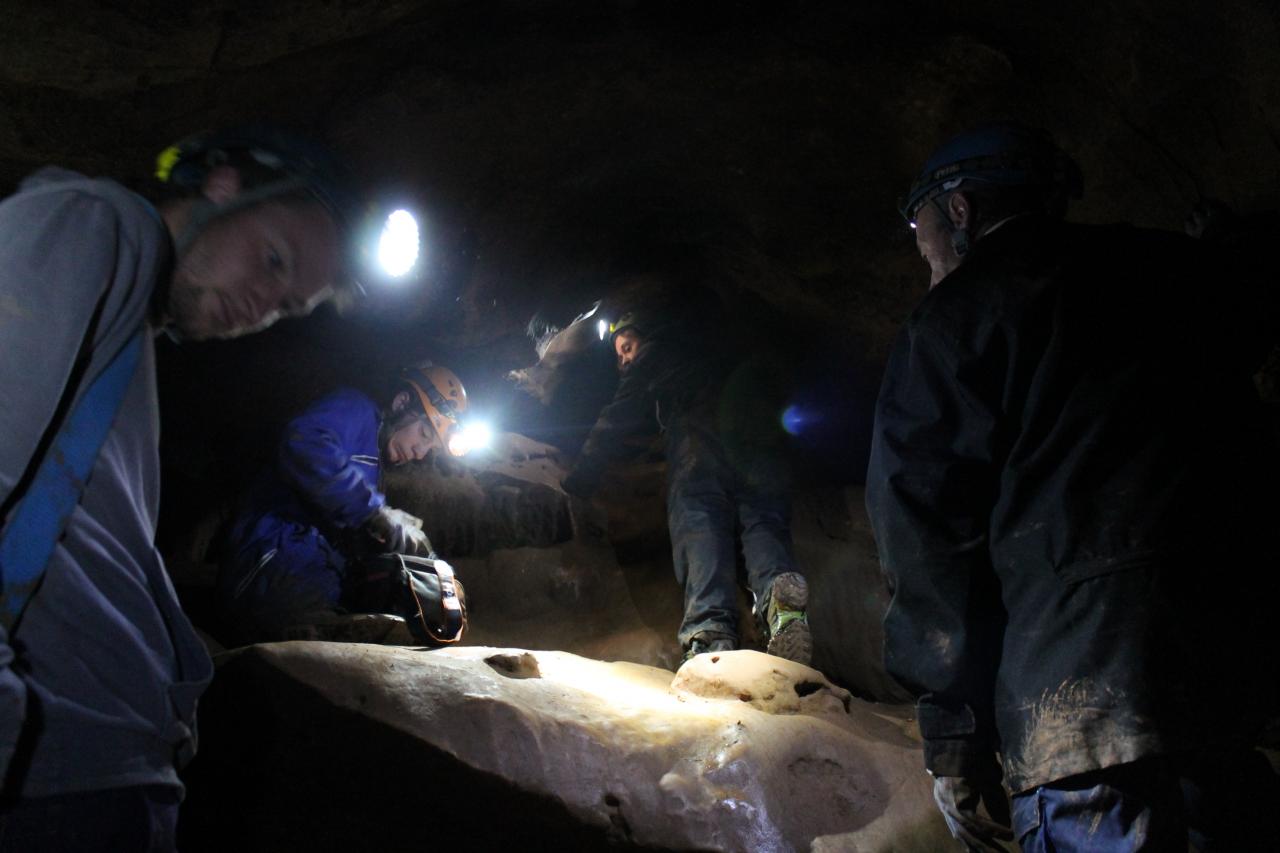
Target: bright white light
476,435
398,245
602,327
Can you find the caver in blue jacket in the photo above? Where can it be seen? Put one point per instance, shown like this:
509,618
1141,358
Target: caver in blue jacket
284,556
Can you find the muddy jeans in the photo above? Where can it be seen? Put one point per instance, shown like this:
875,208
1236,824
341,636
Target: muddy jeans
125,820
1217,803
268,586
708,499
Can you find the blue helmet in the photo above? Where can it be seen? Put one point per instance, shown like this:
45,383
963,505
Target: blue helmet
269,156
274,162
1005,153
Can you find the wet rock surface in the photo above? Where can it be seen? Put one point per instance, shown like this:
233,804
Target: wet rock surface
329,746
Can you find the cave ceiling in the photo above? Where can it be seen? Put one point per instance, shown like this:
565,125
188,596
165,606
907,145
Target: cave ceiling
555,145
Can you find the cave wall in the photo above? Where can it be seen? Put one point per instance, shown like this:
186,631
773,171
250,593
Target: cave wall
553,143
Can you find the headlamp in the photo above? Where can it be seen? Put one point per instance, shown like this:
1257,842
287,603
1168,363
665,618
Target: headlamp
469,437
387,246
398,244
613,327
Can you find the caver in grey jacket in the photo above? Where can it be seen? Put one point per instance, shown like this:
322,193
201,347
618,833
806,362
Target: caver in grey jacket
100,677
1072,489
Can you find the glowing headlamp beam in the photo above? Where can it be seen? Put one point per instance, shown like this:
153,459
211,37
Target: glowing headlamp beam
398,244
476,435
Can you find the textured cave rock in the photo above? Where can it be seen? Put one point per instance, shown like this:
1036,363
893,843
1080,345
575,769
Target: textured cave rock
473,511
554,143
323,746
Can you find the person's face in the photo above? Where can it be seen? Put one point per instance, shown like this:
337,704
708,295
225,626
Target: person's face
627,346
411,441
248,269
933,239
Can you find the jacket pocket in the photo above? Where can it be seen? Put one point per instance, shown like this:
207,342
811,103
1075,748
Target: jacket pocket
1027,817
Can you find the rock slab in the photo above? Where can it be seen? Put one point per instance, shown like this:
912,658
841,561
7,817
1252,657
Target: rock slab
335,746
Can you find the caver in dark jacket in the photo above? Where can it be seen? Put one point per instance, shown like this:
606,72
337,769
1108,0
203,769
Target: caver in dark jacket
724,472
1071,486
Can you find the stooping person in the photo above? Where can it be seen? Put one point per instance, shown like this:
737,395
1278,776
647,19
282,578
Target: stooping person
299,547
725,472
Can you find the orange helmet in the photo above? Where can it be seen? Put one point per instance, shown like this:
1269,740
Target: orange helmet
442,396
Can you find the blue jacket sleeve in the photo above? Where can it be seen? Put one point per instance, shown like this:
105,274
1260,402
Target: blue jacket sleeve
329,455
931,486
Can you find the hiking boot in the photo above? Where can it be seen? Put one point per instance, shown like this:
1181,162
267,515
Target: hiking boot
785,623
708,642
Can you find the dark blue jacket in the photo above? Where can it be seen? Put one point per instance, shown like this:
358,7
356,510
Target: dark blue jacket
325,476
1072,488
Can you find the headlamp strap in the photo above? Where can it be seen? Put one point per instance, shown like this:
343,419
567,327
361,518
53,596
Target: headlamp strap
205,211
442,403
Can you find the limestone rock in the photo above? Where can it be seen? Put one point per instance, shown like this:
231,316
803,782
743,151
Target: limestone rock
328,746
764,682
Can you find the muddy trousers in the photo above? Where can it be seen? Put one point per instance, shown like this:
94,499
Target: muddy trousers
141,819
709,502
1217,803
272,583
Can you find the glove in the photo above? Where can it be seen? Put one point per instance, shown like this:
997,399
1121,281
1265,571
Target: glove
1209,219
399,532
958,797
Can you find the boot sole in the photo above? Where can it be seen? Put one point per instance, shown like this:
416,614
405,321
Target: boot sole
791,591
794,642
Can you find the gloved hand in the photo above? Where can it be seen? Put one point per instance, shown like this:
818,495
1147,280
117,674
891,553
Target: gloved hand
958,797
399,532
1209,219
